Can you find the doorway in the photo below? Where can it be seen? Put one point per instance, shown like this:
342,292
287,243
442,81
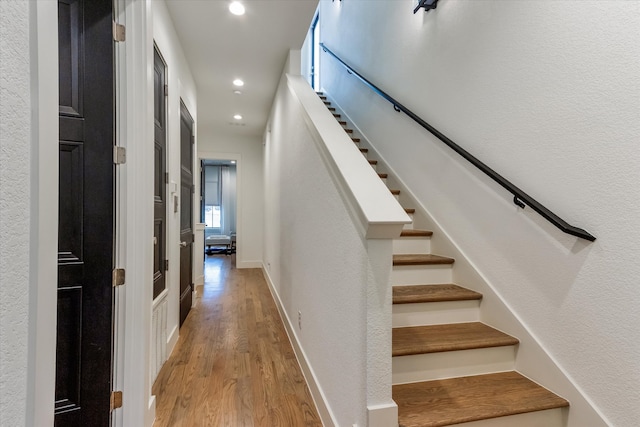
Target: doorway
187,189
86,213
218,205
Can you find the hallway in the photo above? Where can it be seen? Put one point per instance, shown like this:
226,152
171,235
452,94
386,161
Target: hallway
233,364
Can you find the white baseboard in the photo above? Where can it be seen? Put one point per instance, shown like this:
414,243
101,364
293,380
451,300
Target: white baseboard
172,340
248,264
151,411
328,420
199,281
382,415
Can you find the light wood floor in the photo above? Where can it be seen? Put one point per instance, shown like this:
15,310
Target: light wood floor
233,364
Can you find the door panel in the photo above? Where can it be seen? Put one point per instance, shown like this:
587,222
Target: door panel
85,227
160,169
186,211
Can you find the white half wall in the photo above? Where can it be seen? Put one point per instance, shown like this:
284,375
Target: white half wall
247,151
548,94
314,230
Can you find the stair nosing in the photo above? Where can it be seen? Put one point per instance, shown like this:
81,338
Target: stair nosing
466,336
444,292
413,232
421,259
442,392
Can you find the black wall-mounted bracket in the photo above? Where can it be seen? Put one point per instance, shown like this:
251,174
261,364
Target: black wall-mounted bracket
427,4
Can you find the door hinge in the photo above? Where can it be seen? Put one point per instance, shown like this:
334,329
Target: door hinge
193,139
116,400
166,265
166,90
119,155
117,277
166,177
193,237
119,32
193,189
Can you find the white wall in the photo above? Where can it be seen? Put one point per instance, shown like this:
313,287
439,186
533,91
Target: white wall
309,228
248,153
15,189
548,94
181,86
28,211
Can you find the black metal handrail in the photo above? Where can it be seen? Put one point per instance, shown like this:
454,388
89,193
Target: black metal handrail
520,198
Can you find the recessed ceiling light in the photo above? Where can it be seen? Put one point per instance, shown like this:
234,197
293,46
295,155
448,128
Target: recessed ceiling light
237,117
237,92
238,82
236,8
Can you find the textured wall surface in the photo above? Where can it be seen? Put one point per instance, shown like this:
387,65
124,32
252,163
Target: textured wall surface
15,121
548,94
317,260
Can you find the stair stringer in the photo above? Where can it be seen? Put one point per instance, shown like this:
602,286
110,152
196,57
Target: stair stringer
532,359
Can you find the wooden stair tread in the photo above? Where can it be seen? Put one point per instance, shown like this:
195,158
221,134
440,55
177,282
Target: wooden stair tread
383,175
355,139
410,210
337,116
342,122
332,109
324,98
416,233
395,192
420,259
364,150
458,400
327,102
432,293
348,130
373,162
449,337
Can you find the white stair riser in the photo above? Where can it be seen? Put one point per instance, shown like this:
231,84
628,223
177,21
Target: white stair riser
384,181
436,313
412,245
410,225
548,418
397,196
375,167
366,156
450,364
421,274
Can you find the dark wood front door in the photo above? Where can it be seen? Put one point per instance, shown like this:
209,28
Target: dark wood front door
160,177
86,213
186,211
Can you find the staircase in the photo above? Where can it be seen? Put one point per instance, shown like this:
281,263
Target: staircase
448,367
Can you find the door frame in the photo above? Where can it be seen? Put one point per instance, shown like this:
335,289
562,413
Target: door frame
211,155
134,252
43,246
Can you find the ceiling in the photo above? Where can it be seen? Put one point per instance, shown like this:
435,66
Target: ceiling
221,47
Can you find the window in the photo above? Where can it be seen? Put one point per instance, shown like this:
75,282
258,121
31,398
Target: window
212,216
315,53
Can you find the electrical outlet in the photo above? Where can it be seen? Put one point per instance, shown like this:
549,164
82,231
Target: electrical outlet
299,320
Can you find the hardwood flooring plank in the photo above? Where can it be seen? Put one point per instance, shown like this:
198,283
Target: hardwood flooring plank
233,364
